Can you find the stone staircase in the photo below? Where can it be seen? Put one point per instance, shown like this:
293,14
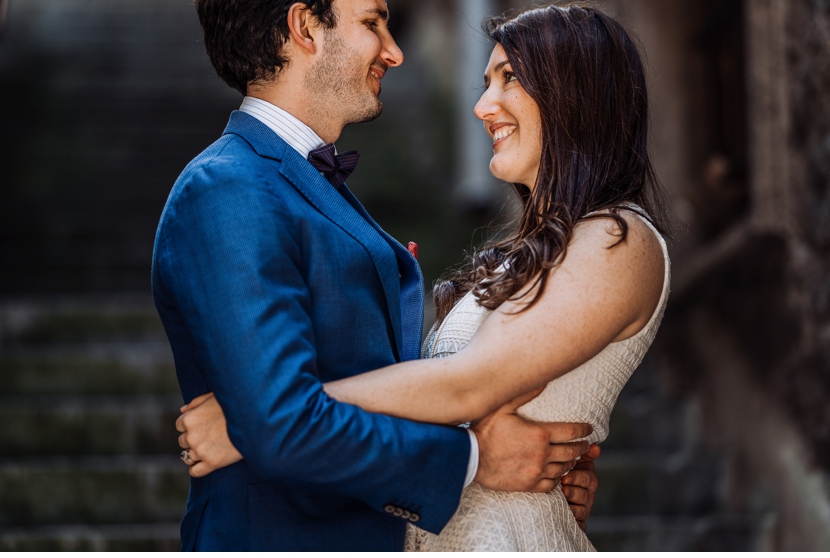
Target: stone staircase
88,453
89,460
660,489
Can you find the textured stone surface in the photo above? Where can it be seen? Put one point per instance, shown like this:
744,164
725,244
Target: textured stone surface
715,533
92,490
124,369
88,452
88,425
113,538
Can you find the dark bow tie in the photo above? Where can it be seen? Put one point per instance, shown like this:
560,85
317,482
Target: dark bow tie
336,168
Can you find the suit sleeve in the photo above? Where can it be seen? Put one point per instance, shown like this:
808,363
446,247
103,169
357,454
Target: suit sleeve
231,261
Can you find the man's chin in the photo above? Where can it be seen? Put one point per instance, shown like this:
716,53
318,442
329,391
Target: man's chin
369,114
376,114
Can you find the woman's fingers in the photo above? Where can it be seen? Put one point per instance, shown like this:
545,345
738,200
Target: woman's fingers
580,512
200,469
583,478
194,456
180,424
592,453
576,496
183,443
198,401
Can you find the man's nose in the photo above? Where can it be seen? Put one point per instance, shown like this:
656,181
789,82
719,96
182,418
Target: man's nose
391,54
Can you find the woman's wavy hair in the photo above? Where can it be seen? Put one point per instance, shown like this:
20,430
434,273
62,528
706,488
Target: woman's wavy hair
584,72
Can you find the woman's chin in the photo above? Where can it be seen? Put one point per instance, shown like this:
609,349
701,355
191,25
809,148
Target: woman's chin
499,173
502,176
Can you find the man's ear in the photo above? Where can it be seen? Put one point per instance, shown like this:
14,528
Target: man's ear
304,27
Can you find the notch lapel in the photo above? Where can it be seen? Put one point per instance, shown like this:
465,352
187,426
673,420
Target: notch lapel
325,197
412,284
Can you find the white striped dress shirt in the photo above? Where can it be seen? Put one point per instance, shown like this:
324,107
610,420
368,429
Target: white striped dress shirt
304,140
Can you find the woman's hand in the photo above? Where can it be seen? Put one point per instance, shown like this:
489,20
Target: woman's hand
580,486
205,433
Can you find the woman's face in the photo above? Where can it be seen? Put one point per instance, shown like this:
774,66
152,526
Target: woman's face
513,121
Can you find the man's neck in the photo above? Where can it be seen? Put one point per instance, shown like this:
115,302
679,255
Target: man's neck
301,107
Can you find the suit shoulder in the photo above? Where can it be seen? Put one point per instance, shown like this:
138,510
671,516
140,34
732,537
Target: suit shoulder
231,158
230,167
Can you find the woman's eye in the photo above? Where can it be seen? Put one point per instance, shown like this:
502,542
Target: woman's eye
509,76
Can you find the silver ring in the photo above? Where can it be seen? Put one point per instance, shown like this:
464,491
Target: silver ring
186,457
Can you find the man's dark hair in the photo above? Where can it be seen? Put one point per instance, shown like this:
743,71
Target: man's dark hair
244,39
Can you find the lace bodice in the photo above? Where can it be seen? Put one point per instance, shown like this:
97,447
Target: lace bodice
489,520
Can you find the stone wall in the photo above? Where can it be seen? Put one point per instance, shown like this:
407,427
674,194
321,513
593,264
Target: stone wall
746,334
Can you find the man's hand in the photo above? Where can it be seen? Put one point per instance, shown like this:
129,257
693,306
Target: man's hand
205,433
518,455
580,486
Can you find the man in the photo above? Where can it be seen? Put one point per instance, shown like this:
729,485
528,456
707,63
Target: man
271,278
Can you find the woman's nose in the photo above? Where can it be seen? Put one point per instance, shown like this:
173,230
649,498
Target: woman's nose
487,106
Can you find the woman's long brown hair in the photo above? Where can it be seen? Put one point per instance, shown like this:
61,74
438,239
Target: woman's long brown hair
585,73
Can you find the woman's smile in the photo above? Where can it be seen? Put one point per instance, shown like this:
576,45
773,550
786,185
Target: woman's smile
500,132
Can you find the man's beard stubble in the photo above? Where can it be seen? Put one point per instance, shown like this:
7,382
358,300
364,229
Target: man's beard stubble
339,81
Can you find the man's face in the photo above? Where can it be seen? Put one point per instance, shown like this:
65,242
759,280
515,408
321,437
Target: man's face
356,55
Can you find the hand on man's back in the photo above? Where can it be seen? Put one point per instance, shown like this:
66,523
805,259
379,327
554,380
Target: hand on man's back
519,455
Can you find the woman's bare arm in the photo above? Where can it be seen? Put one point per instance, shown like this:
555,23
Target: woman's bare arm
598,295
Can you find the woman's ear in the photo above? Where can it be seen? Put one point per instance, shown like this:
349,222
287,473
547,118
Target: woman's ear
302,25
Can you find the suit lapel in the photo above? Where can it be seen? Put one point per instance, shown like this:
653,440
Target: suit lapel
352,218
411,285
322,195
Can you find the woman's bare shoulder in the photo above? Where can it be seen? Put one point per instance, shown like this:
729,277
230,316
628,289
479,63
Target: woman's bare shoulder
636,265
641,242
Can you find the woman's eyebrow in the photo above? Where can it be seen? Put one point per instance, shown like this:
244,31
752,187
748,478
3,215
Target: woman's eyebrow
498,67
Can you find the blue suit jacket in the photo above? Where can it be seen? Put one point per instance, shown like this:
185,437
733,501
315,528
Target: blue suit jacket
270,281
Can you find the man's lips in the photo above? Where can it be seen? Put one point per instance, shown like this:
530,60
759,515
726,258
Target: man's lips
378,73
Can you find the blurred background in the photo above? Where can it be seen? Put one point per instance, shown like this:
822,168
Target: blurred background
721,441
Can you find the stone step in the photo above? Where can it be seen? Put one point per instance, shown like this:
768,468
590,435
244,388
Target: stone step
88,425
141,367
717,533
78,320
99,538
652,533
657,483
92,490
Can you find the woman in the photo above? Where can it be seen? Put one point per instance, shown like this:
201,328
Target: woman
572,300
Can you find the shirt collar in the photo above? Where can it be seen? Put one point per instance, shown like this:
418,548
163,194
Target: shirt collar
287,126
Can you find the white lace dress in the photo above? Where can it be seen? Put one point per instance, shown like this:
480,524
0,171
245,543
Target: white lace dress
487,520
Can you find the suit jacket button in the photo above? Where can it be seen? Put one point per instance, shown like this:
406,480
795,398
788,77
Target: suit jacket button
389,508
398,512
414,518
406,514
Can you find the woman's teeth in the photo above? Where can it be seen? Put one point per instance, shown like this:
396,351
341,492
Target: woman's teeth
501,134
